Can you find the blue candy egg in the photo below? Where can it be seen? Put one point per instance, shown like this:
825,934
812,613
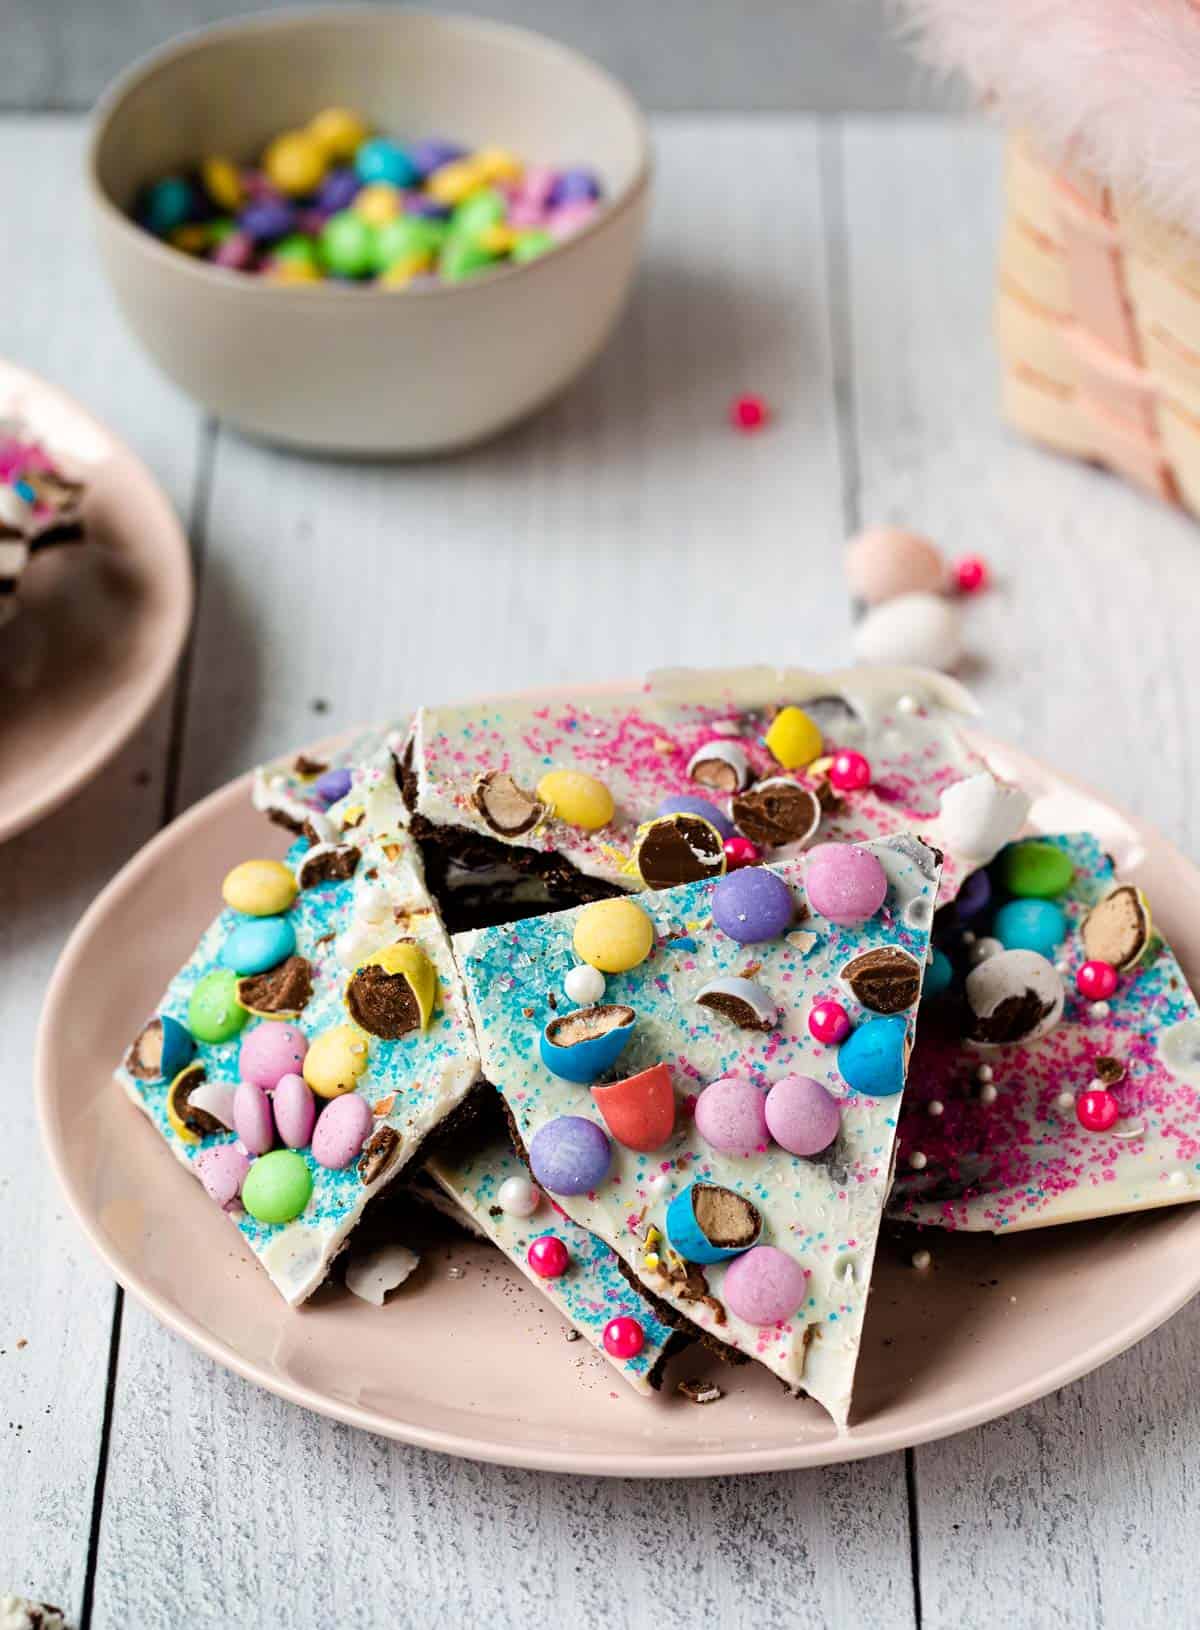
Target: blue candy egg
685,804
687,1236
258,944
383,160
1031,925
167,204
871,1058
580,1046
938,974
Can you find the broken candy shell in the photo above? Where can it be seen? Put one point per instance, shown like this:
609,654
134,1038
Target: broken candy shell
382,1150
979,815
371,1274
295,1111
256,945
613,935
341,1130
1118,930
252,1118
214,1012
1013,996
278,1186
160,1050
223,1170
708,1223
393,992
569,1155
776,812
752,905
279,993
844,883
802,1116
270,1051
912,631
741,1001
1040,871
885,980
214,1098
764,1286
1030,925
871,1059
793,739
335,1060
259,888
578,799
580,1046
674,849
506,807
328,863
187,1120
639,1111
721,765
731,1117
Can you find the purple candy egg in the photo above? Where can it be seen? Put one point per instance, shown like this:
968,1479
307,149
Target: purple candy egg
752,905
570,1155
684,804
342,1128
431,154
417,203
802,1116
764,1286
577,186
295,1111
338,191
223,1171
334,784
973,897
731,1116
267,219
844,883
252,1118
237,252
271,1050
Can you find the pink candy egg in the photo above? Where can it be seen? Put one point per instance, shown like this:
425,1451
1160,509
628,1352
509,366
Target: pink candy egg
884,562
223,1170
764,1286
252,1118
802,1116
271,1051
731,1116
295,1111
844,883
341,1131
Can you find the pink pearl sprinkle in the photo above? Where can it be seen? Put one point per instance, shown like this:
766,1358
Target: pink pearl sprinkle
970,574
623,1337
849,772
1097,1109
1096,981
748,412
740,852
548,1257
829,1022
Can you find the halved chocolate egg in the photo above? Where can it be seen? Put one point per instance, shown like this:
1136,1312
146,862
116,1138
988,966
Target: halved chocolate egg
1118,929
708,1223
580,1046
160,1050
679,848
741,1001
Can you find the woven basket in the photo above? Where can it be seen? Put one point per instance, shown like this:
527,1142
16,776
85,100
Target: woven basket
1098,321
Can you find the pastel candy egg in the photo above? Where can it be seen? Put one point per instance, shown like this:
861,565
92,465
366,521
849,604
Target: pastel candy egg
223,1170
915,630
338,132
639,1111
578,799
335,1060
531,245
343,1126
482,209
295,1111
793,739
973,897
613,935
270,1051
259,888
338,191
938,975
584,985
214,1012
255,946
379,203
1036,870
570,1155
684,804
252,1118
1031,925
844,883
883,562
517,1196
752,905
394,991
802,1116
347,244
871,1058
384,160
731,1116
764,1286
167,204
222,183
432,152
582,1045
278,1186
294,163
333,785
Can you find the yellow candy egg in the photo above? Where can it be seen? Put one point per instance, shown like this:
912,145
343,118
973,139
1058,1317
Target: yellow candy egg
497,239
338,132
294,163
613,935
222,183
497,164
193,240
378,203
401,272
259,888
454,182
576,798
335,1060
294,271
793,739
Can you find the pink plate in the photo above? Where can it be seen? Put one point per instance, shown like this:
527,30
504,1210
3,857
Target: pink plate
475,1365
101,625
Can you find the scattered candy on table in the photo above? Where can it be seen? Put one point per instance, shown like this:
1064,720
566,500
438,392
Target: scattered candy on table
748,412
336,202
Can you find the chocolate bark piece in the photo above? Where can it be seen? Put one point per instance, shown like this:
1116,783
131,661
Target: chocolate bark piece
179,1092
382,1003
776,812
285,989
679,849
886,980
1117,930
381,1151
328,863
506,807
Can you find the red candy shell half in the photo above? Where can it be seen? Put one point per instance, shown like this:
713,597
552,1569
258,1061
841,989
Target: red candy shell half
639,1111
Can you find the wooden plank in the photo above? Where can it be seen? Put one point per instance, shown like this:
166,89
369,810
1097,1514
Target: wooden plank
56,1301
627,526
1063,1514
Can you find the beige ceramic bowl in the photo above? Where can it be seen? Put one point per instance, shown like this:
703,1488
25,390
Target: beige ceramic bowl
364,370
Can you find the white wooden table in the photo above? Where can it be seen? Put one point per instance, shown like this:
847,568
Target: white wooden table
842,269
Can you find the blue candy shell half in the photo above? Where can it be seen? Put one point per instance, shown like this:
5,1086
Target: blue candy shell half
871,1058
178,1046
690,1240
586,1060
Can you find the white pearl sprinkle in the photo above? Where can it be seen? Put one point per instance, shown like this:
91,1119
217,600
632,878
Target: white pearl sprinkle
518,1197
1065,1101
922,1259
907,704
985,1072
1176,1178
935,1106
983,949
584,985
1062,967
968,938
987,1094
1100,1010
918,1160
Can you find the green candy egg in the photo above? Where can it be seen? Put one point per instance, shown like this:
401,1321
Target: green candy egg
463,258
476,213
530,245
295,247
1035,871
277,1186
214,1012
347,244
406,235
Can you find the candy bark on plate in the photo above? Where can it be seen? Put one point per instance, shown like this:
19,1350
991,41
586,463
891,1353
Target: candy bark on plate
675,1155
1097,1112
490,1185
375,1095
772,759
298,792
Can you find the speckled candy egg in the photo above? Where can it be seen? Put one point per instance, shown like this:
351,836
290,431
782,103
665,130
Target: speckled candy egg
731,1116
223,1170
252,1118
570,1155
613,935
295,1111
271,1050
883,562
764,1286
801,1115
1013,996
342,1128
844,883
752,905
916,630
258,944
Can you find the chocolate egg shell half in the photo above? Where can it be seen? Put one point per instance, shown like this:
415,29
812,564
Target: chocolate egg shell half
776,812
741,1001
393,992
1013,996
721,765
885,980
580,1046
708,1223
1118,930
161,1050
676,849
505,806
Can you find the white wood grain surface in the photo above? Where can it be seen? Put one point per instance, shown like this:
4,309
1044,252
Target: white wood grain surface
843,272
